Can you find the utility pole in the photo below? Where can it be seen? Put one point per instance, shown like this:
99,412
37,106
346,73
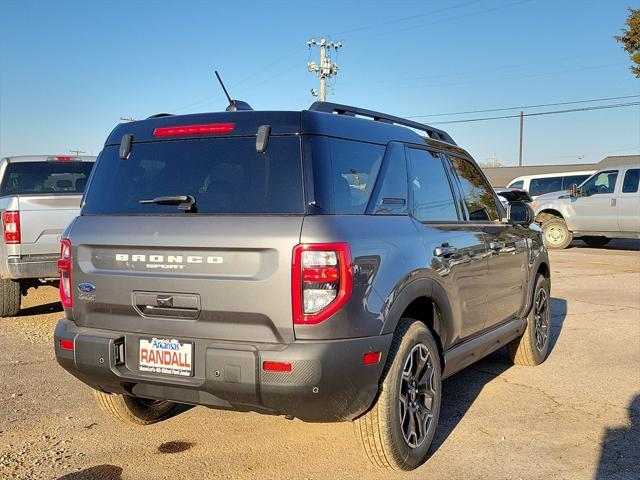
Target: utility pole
326,69
76,151
521,134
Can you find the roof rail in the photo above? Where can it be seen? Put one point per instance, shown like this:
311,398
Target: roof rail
431,132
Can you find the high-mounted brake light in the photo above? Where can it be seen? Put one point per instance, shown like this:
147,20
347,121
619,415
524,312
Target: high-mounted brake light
63,158
322,281
64,265
204,129
11,227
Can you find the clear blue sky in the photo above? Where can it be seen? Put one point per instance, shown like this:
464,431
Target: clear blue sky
69,70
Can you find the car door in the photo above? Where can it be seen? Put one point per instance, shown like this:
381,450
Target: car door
455,248
629,202
595,209
506,243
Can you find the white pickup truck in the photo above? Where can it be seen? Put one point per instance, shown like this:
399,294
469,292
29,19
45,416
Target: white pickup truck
605,206
39,196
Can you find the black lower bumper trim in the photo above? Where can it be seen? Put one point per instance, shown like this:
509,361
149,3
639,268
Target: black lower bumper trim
328,380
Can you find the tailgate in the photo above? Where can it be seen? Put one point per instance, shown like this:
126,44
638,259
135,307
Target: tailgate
43,218
214,277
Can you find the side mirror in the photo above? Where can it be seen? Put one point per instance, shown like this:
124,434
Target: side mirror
520,213
574,191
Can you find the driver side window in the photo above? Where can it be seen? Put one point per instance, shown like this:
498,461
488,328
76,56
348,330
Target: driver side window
603,182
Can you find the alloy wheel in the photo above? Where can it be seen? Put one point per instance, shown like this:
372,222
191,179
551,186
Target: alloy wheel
417,396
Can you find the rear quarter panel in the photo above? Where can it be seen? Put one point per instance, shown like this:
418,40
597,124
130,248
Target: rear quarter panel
387,252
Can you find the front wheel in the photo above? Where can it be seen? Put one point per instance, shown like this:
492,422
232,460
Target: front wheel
398,430
532,347
556,234
134,410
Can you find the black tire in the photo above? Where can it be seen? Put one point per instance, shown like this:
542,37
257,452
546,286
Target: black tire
10,297
556,234
533,346
134,410
596,241
380,431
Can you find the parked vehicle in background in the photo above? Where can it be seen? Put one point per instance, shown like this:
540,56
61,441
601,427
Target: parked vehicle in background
605,206
39,196
549,182
314,264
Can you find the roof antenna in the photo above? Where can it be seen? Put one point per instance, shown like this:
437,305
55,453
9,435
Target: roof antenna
234,105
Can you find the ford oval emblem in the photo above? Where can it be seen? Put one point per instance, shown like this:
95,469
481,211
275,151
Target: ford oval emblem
86,287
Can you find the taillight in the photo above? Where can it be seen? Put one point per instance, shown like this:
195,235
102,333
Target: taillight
321,281
209,128
64,265
11,226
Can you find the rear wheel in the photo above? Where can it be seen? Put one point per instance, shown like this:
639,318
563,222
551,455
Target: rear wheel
596,241
135,410
532,347
556,234
10,297
398,430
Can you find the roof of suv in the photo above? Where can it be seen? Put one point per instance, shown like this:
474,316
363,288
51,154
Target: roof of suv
345,122
42,158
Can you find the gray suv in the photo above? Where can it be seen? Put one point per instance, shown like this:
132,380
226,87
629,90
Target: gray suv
329,265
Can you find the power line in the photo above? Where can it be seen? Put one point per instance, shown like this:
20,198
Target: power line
524,106
554,112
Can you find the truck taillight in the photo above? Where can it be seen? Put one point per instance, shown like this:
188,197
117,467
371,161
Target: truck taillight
11,226
321,281
64,265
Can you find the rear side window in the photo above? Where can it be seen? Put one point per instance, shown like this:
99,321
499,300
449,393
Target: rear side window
540,186
47,177
518,184
478,194
631,180
569,181
432,196
344,174
225,176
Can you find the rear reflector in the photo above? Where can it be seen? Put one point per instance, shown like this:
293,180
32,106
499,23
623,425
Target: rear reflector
371,358
11,226
182,130
276,367
66,344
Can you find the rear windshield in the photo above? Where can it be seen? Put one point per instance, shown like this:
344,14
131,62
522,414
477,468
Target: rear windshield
225,176
47,177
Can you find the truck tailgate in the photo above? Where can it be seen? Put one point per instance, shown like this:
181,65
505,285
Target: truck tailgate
43,218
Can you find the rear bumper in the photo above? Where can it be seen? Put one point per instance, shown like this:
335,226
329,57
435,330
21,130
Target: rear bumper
33,266
328,381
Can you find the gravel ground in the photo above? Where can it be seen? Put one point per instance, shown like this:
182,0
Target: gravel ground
577,416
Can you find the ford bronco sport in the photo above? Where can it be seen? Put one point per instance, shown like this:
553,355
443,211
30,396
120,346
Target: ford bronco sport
329,265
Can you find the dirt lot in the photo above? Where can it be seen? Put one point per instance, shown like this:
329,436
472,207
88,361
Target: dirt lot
577,416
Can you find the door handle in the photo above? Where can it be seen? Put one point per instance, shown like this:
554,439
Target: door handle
613,202
445,250
497,246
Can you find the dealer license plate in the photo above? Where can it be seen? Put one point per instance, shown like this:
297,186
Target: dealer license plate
168,356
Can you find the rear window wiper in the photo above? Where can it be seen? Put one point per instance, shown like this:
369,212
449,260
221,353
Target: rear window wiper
184,202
